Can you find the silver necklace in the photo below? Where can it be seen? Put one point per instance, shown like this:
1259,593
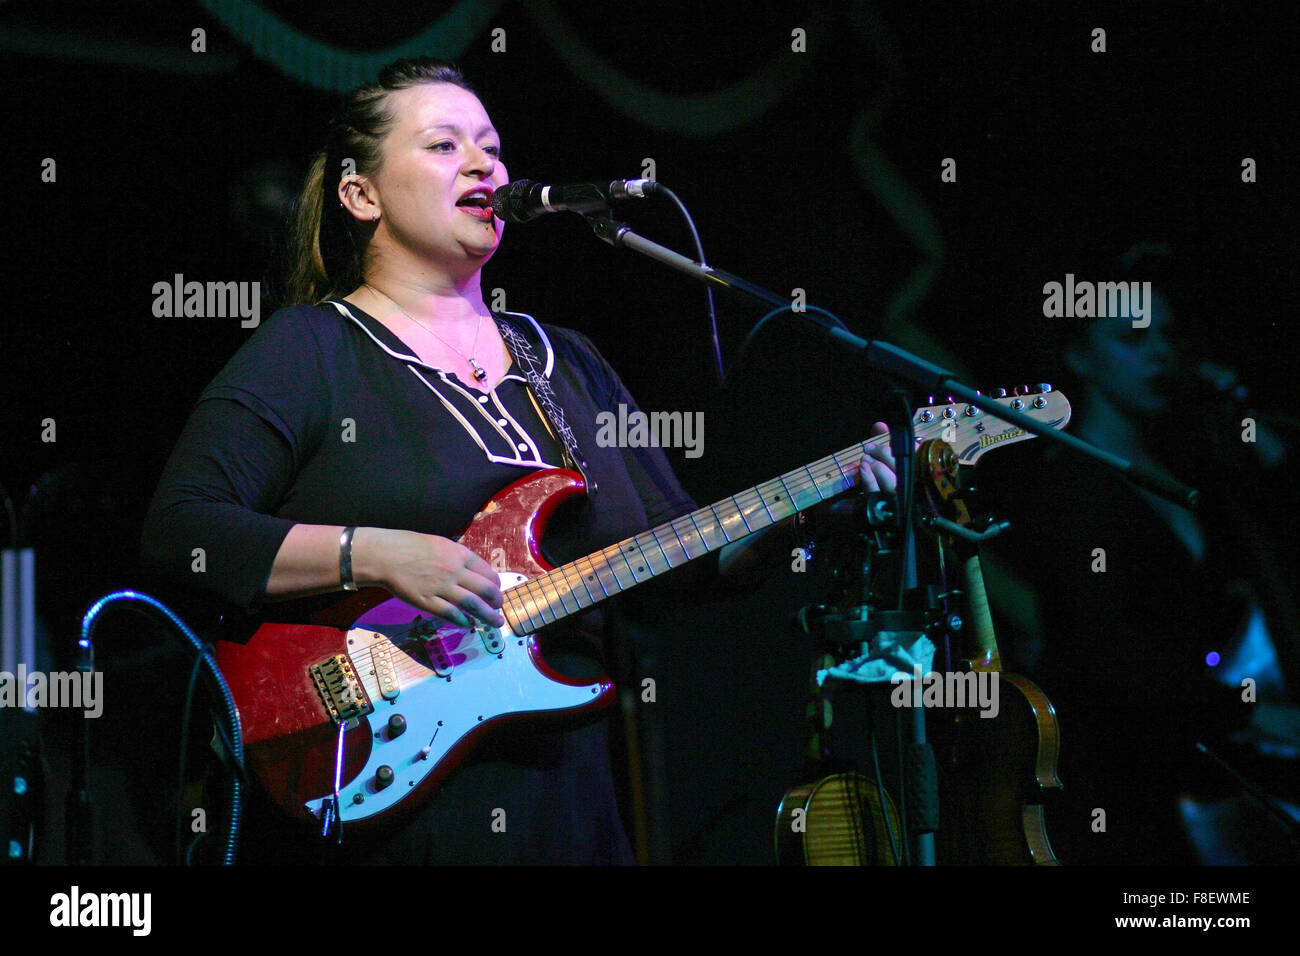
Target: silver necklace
480,373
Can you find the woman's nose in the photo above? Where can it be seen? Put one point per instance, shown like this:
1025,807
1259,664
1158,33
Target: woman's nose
481,159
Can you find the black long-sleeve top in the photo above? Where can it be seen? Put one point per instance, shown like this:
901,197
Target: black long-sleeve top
326,417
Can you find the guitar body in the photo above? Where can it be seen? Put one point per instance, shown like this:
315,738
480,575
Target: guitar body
837,821
425,690
994,773
372,701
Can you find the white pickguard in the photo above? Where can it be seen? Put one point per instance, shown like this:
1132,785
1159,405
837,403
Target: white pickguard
479,685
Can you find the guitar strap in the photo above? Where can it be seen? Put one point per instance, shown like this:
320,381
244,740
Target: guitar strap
522,351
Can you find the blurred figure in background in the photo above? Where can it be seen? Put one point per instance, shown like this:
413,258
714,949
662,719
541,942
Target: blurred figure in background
1150,617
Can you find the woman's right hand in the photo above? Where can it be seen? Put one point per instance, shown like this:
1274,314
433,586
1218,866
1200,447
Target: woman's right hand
429,572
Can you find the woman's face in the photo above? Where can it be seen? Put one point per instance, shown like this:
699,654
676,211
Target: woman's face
441,164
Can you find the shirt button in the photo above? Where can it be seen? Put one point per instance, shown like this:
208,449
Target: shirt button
522,447
502,422
483,399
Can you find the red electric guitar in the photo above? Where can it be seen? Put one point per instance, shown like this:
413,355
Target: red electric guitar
375,701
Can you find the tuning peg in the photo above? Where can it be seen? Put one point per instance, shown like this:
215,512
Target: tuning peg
1044,388
951,401
999,393
929,400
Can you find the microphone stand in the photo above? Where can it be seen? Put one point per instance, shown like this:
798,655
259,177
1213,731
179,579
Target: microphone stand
904,624
896,362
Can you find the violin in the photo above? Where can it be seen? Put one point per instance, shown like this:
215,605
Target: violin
994,772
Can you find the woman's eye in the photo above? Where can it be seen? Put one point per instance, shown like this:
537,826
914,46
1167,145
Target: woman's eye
443,146
493,151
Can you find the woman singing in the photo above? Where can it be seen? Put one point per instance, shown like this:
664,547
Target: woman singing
391,400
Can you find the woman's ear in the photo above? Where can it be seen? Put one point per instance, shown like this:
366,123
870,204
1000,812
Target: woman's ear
356,196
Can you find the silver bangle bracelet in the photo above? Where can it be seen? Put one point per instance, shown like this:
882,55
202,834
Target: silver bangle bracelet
345,559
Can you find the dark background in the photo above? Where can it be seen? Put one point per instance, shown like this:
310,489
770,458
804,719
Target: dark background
170,162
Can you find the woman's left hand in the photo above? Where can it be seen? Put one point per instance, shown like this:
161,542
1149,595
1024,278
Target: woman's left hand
876,468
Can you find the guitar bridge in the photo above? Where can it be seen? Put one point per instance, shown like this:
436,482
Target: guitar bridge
340,689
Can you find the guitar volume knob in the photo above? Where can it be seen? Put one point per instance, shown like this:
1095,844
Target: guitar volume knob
383,777
396,726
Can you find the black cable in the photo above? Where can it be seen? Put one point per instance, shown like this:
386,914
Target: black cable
194,845
748,340
708,289
902,786
230,730
185,747
880,780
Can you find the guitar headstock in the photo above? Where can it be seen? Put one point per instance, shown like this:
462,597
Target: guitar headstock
972,431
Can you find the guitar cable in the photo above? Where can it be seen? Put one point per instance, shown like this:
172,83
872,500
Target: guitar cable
180,770
902,786
230,732
881,793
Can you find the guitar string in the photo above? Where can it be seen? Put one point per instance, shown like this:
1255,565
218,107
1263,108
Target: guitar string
852,794
536,587
561,581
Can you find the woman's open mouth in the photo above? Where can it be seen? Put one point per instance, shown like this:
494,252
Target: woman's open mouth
477,204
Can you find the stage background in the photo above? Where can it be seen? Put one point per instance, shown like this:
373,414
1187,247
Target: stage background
817,169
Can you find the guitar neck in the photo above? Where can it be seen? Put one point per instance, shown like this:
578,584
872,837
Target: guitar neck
579,585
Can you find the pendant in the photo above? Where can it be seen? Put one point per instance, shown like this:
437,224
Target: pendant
480,372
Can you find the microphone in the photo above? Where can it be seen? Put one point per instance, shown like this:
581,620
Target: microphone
1221,380
524,199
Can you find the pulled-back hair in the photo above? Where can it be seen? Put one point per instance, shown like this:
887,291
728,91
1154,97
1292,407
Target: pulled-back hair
327,246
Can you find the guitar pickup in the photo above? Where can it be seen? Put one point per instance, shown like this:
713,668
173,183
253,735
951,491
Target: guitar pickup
385,672
491,638
340,689
439,659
